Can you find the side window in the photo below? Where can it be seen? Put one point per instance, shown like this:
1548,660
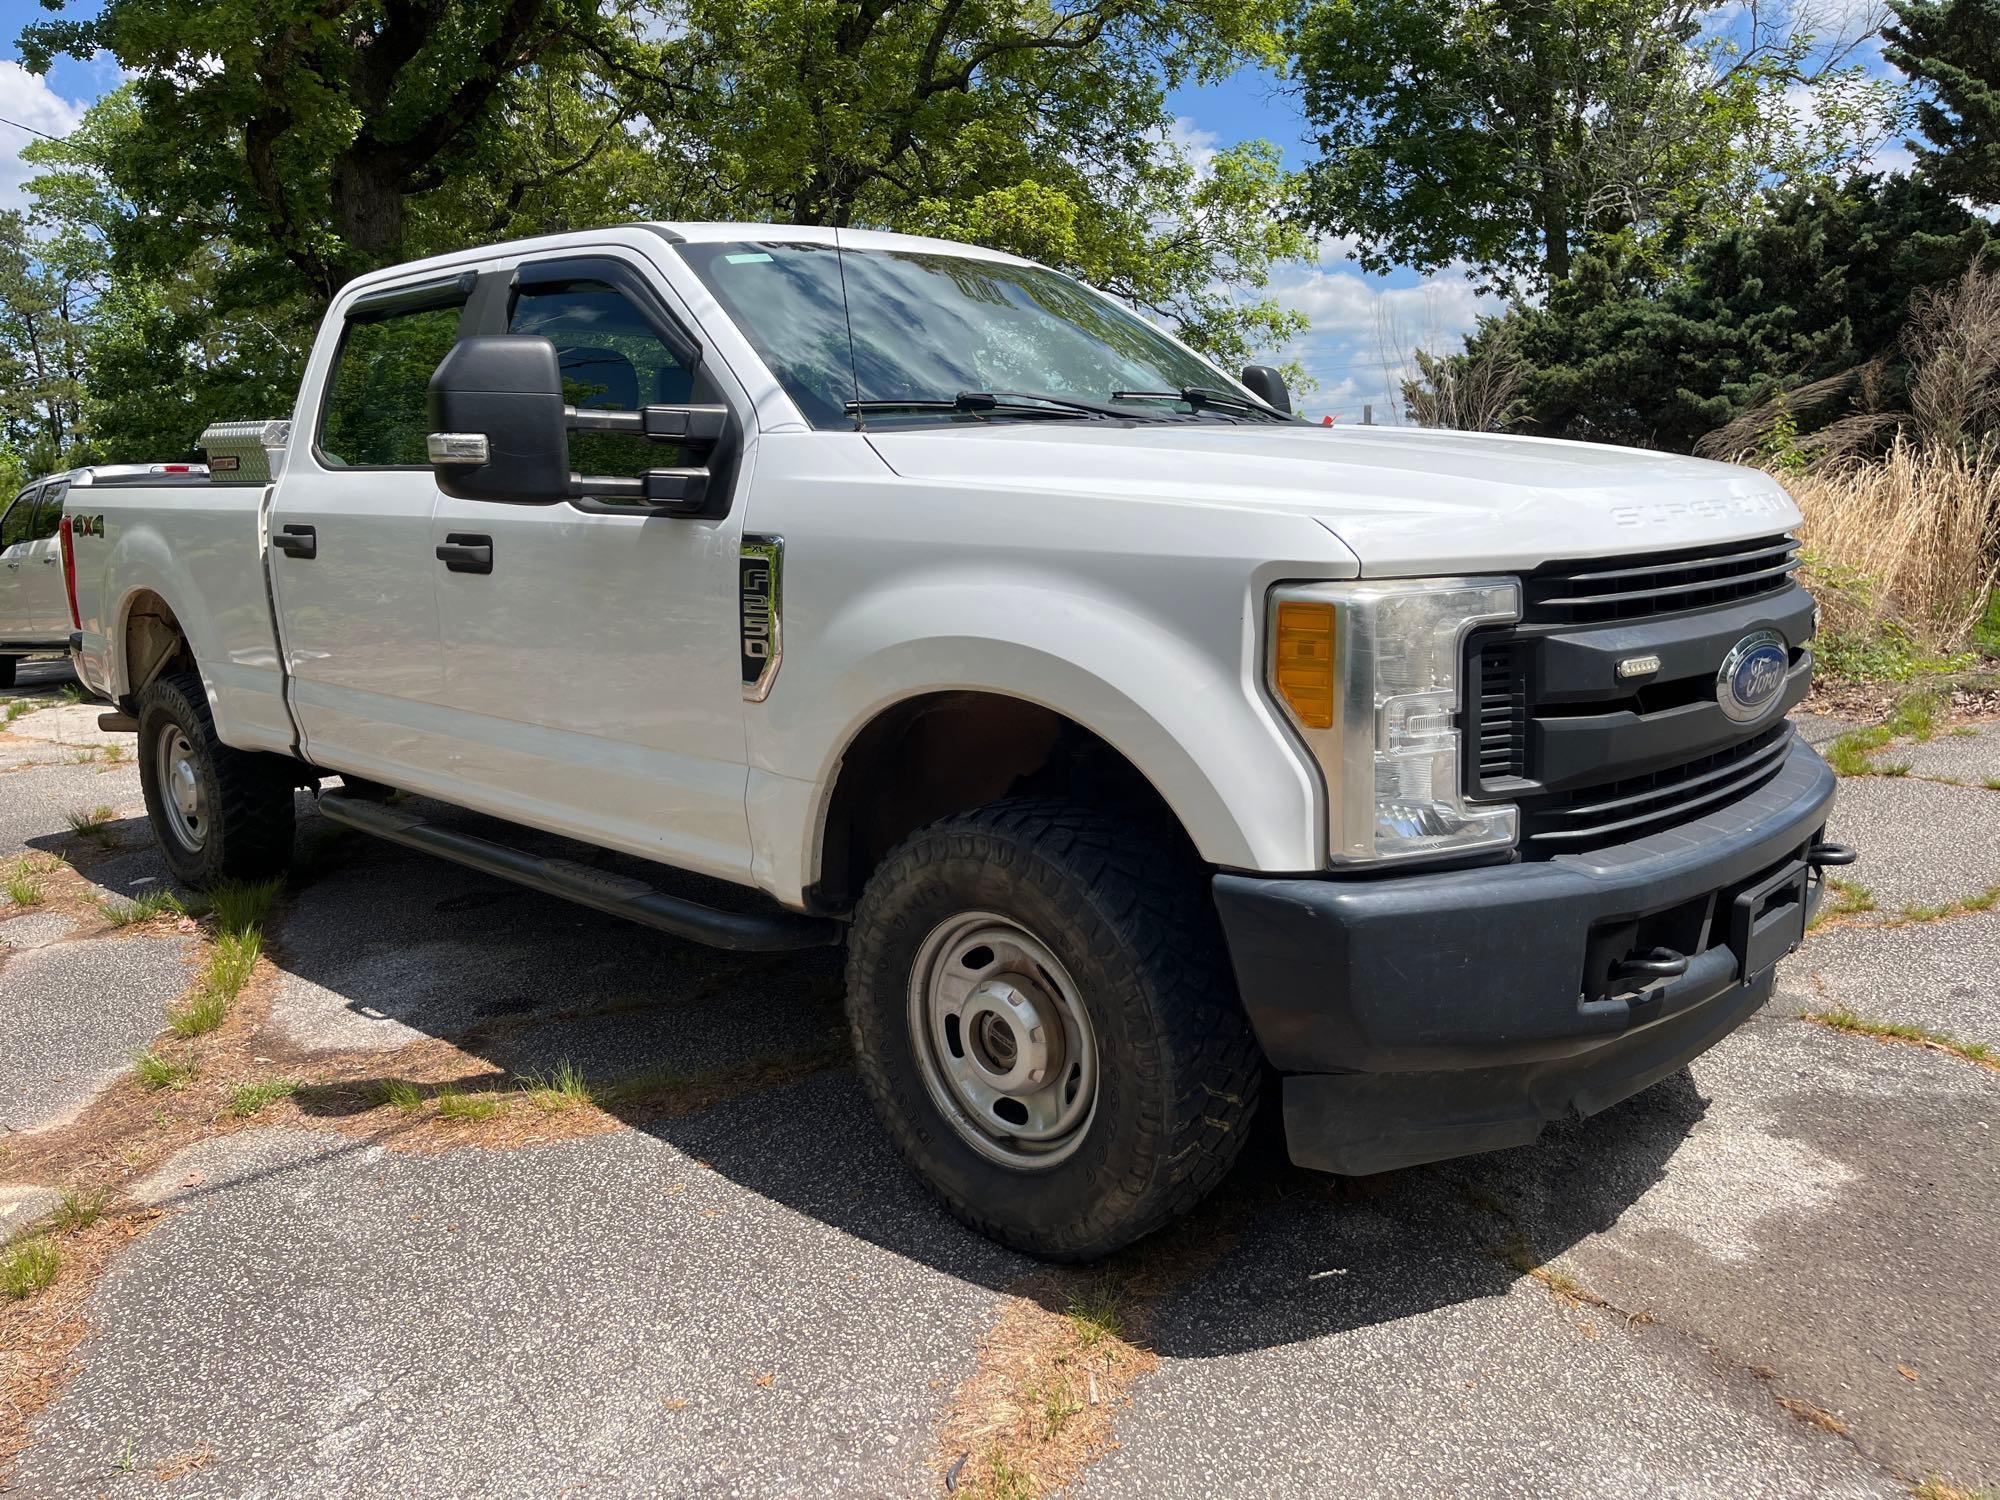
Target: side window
373,416
19,520
611,359
48,515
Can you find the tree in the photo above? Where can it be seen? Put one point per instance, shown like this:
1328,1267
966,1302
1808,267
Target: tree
1507,134
311,126
1810,303
1037,126
1953,46
48,284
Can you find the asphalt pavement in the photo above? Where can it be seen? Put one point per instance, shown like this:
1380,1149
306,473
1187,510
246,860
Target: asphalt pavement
1774,1274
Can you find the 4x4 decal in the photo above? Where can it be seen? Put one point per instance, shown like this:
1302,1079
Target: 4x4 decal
86,525
760,571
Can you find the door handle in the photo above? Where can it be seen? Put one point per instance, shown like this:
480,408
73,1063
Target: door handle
48,562
462,552
297,541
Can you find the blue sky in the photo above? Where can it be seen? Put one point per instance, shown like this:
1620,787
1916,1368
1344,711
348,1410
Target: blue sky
1363,326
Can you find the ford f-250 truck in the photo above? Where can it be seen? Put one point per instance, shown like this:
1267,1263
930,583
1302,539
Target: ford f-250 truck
1147,747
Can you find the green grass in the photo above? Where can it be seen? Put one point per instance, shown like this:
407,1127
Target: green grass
1843,899
157,1072
1915,717
23,889
1004,1481
92,823
20,708
1841,1018
404,1095
1986,634
70,693
26,1268
1853,753
1984,900
241,906
563,1088
231,959
123,913
1095,1315
248,1099
454,1104
199,1014
1058,1406
79,1209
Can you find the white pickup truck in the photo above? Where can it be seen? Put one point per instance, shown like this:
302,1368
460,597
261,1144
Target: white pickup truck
1149,749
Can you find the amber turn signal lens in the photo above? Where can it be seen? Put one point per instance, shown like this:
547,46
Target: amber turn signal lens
1302,666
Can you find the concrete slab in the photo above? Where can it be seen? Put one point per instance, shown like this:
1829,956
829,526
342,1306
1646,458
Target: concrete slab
1818,729
73,1014
1970,754
388,947
73,725
595,1317
1940,975
35,929
21,1204
1921,842
1794,1204
35,803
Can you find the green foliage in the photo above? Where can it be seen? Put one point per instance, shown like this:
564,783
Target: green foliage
248,1099
28,1267
1623,353
227,198
1508,136
1953,47
48,287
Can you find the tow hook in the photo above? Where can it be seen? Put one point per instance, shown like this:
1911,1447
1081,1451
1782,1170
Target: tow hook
1830,856
1654,963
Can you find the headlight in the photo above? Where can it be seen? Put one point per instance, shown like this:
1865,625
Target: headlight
1369,674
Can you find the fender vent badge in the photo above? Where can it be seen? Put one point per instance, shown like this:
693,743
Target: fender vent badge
760,573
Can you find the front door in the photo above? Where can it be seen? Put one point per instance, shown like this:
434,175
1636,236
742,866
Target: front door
350,549
594,673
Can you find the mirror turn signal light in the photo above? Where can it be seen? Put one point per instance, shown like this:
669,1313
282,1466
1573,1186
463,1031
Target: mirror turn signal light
1302,661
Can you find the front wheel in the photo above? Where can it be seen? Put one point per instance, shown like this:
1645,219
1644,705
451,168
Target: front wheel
1044,1017
9,665
219,813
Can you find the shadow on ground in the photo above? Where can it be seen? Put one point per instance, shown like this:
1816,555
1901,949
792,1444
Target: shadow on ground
381,947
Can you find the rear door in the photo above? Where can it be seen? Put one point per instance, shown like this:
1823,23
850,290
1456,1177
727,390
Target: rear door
594,673
349,542
32,606
41,573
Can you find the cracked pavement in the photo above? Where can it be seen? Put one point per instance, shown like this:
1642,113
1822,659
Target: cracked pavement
1772,1275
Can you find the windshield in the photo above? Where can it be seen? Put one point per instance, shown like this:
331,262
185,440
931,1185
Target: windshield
927,328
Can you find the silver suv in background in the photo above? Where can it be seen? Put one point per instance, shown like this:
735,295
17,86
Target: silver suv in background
34,601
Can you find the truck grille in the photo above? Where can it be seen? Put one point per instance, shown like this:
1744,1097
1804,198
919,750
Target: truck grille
1577,593
1593,757
1618,811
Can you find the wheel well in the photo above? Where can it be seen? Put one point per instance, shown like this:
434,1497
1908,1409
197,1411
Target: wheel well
153,643
941,753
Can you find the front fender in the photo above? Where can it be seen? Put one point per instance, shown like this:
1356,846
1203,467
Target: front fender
1188,714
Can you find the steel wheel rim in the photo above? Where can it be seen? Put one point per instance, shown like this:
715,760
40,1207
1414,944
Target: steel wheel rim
1003,1041
182,792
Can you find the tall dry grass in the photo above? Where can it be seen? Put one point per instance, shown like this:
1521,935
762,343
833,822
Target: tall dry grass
1905,545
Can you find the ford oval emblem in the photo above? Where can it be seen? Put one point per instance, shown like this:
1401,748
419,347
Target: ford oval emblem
1752,674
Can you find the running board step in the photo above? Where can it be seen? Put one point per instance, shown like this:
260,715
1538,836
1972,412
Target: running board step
621,895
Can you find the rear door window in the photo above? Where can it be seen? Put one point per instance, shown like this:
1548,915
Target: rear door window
18,524
48,514
374,416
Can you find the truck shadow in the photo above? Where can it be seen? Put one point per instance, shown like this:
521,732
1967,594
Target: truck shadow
379,948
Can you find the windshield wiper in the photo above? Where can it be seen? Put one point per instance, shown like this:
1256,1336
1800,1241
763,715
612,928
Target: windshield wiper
1003,403
1207,396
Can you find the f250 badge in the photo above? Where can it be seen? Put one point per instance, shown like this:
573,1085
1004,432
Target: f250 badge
760,574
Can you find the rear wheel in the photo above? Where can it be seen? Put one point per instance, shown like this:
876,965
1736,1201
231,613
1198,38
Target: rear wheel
1044,1016
9,665
218,812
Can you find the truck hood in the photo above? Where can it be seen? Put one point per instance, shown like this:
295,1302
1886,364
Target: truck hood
1404,500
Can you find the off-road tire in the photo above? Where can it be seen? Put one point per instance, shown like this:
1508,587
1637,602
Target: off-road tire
9,665
249,795
1132,922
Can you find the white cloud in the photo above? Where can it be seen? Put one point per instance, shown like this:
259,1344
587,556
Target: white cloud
1364,330
27,99
1196,144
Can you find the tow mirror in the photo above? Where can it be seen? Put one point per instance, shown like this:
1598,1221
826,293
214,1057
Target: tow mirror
1268,386
500,431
